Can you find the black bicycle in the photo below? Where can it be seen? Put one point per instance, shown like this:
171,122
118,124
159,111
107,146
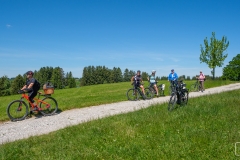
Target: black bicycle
171,87
179,95
195,87
134,93
160,88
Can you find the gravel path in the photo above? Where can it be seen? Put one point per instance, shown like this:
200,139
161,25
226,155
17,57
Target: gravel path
11,131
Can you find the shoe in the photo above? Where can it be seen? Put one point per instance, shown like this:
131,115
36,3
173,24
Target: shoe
34,109
144,97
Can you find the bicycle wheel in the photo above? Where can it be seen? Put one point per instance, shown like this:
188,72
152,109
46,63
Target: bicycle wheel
152,90
148,93
48,106
172,102
194,88
170,90
184,99
17,110
132,94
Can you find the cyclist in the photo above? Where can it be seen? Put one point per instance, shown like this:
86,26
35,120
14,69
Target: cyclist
136,81
152,80
173,77
32,86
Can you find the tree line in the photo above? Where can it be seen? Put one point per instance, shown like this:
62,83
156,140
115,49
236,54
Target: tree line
98,75
55,76
101,75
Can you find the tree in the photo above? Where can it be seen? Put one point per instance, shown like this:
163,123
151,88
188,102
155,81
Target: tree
4,86
44,75
232,70
182,77
194,78
84,77
58,78
119,75
212,54
126,75
71,80
17,84
164,78
132,73
67,79
144,76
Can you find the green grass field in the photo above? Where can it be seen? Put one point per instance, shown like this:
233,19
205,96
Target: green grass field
207,128
94,95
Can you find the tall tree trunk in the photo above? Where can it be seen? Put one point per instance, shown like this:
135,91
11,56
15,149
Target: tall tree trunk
214,73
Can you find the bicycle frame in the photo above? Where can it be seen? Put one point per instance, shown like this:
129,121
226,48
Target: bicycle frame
138,89
25,96
173,86
158,86
196,83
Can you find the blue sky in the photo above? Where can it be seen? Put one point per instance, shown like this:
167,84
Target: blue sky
134,34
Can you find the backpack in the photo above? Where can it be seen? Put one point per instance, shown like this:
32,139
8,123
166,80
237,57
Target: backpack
37,85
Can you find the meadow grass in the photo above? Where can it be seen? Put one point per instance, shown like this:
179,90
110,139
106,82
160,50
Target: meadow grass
94,95
207,128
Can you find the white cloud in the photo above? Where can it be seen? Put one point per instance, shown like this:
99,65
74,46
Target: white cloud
175,59
8,25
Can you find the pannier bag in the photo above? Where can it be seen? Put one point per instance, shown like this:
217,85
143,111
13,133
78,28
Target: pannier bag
48,88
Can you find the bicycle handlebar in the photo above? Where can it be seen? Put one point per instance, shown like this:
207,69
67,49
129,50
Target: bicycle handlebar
20,92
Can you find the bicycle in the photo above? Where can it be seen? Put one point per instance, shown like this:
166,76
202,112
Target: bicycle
18,110
171,87
133,93
160,88
195,87
179,95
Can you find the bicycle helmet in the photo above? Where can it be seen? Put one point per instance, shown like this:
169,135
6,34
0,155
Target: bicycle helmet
139,71
153,71
29,73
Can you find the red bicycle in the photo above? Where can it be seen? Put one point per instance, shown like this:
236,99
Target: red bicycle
18,110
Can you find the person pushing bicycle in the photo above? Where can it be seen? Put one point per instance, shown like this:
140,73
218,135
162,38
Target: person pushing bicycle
152,80
136,81
32,86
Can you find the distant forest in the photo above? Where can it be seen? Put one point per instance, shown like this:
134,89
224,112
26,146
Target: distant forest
91,75
56,76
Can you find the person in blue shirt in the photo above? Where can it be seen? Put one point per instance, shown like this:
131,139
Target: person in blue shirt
173,77
152,80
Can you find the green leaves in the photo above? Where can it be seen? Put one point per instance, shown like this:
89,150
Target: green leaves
212,53
232,70
101,75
